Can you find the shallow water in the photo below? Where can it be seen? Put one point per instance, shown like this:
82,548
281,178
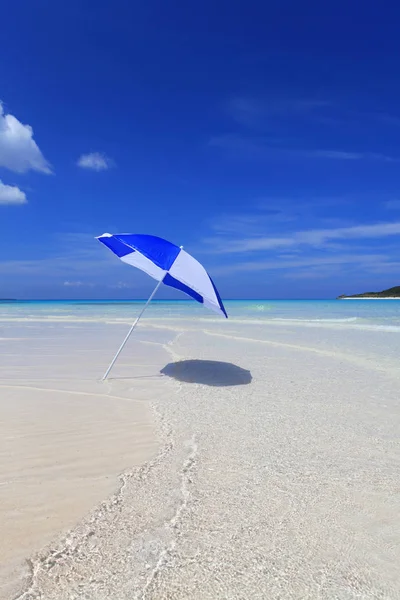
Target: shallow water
371,315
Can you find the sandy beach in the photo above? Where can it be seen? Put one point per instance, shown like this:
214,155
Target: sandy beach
221,460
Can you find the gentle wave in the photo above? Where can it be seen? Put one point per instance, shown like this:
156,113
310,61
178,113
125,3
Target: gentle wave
389,328
347,320
353,323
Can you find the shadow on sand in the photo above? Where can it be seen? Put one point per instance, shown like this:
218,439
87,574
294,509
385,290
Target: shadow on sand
207,372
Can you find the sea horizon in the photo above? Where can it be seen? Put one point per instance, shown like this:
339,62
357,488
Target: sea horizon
180,300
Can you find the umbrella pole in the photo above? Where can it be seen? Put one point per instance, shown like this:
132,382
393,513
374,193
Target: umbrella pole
130,331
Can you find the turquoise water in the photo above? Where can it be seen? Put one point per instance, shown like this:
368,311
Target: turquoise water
366,314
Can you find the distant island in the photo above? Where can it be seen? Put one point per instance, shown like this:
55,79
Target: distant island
391,293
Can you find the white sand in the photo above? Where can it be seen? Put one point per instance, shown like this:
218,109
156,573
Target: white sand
63,444
282,486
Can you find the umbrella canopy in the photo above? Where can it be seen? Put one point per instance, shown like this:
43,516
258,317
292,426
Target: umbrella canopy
167,263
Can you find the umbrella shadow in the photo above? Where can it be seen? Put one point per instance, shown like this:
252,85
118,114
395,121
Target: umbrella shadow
207,372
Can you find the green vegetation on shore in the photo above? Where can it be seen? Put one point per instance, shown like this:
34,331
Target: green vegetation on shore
393,292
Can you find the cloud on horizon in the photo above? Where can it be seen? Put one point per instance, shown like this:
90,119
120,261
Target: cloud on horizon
311,237
78,284
18,150
74,257
278,240
372,262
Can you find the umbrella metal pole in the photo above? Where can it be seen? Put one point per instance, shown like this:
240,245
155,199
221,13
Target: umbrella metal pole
130,331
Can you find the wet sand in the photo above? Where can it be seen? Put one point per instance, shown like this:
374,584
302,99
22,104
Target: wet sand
260,462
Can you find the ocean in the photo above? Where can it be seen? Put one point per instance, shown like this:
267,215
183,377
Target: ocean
383,315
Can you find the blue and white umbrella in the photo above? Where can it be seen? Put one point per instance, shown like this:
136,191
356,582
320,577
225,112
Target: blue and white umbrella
168,264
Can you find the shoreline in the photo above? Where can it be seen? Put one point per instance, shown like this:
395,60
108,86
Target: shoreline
260,475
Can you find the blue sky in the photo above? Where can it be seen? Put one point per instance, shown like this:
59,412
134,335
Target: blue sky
263,136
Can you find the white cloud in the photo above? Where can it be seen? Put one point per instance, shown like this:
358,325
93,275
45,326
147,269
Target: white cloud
73,283
74,257
311,237
77,284
96,161
257,112
11,194
265,148
361,260
343,155
121,285
18,150
334,154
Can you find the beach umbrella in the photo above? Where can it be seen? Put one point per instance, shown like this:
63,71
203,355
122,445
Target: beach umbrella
166,263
